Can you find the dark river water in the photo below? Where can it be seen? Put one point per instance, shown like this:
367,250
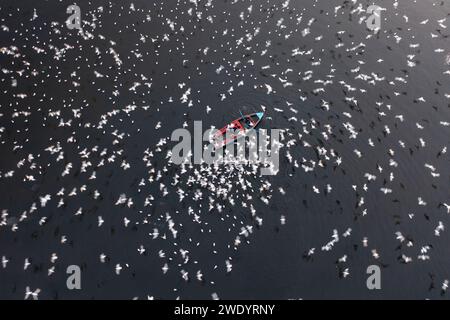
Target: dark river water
391,88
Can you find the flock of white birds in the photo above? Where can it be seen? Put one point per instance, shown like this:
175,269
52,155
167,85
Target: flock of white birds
83,111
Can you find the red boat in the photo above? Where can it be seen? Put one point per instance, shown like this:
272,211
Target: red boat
236,129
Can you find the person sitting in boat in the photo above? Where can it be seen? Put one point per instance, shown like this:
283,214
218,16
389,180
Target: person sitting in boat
232,128
248,123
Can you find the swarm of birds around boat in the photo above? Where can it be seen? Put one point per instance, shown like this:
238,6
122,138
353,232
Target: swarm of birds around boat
85,124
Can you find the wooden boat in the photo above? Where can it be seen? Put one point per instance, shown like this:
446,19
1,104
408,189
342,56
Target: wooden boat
236,129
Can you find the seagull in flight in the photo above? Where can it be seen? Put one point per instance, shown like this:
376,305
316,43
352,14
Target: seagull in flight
447,207
4,262
33,294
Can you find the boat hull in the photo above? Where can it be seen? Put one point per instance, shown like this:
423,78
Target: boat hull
236,129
